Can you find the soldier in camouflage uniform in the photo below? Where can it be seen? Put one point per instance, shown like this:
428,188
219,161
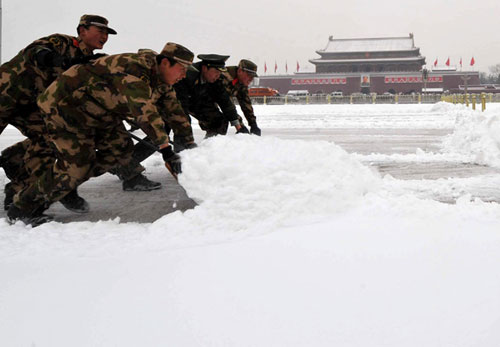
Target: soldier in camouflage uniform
202,94
175,119
84,110
23,79
236,80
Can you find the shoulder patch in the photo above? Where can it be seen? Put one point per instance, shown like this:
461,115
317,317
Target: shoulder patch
56,41
76,43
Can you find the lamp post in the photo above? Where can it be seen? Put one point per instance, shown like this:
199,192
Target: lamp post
425,77
465,78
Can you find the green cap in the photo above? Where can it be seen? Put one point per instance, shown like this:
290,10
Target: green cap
180,54
248,66
98,21
214,60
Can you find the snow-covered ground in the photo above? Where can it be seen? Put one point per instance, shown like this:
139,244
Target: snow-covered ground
294,243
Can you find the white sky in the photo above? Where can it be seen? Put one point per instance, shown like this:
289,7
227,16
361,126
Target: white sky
265,31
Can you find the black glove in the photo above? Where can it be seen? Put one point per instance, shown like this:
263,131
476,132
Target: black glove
48,58
85,59
254,129
242,130
172,159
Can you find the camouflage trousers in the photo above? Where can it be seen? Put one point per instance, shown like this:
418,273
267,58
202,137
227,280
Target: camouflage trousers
82,151
25,160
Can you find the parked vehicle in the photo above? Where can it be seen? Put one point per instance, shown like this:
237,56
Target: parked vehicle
262,91
298,93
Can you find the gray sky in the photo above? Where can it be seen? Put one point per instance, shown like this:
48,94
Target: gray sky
267,30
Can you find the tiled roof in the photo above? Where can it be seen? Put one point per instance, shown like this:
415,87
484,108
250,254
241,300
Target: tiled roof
369,44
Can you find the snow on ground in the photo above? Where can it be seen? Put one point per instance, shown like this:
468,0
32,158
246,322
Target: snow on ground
424,116
476,134
294,243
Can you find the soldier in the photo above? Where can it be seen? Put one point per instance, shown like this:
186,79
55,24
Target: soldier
236,80
22,80
175,119
202,94
84,110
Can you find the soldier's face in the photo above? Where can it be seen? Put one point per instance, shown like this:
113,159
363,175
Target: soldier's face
244,77
94,37
210,74
171,74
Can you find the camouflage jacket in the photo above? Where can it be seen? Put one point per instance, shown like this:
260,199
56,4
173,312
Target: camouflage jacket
240,92
21,77
115,88
196,95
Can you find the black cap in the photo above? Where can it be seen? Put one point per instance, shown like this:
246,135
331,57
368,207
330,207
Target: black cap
214,60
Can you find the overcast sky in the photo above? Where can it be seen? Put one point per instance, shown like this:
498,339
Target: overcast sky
267,30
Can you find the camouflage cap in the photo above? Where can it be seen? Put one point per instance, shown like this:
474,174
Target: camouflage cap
214,60
180,54
248,66
98,21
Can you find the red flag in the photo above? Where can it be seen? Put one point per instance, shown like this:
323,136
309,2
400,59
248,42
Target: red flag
286,66
275,66
448,62
472,62
298,66
265,67
460,61
436,62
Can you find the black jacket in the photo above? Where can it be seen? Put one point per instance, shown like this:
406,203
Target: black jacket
196,96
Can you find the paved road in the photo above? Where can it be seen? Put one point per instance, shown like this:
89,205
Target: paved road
106,198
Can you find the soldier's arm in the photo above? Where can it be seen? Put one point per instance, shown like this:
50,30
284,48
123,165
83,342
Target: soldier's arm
54,51
182,94
50,51
176,118
136,93
246,104
223,99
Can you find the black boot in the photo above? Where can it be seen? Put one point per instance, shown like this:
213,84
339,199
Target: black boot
15,214
75,203
9,196
140,183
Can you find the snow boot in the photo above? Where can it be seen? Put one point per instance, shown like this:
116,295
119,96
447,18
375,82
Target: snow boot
9,196
15,214
75,203
140,183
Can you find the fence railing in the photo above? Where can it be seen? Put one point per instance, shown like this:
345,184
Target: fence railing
472,99
375,99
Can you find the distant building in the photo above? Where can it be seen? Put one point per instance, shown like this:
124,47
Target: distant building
390,54
370,65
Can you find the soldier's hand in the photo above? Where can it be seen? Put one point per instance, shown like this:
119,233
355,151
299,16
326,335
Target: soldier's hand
254,129
172,159
242,130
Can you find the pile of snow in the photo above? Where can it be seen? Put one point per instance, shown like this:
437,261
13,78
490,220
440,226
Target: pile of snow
245,185
476,134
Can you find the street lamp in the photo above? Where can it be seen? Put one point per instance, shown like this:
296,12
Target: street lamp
425,77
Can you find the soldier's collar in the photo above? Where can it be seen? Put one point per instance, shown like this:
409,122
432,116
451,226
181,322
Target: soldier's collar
83,47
